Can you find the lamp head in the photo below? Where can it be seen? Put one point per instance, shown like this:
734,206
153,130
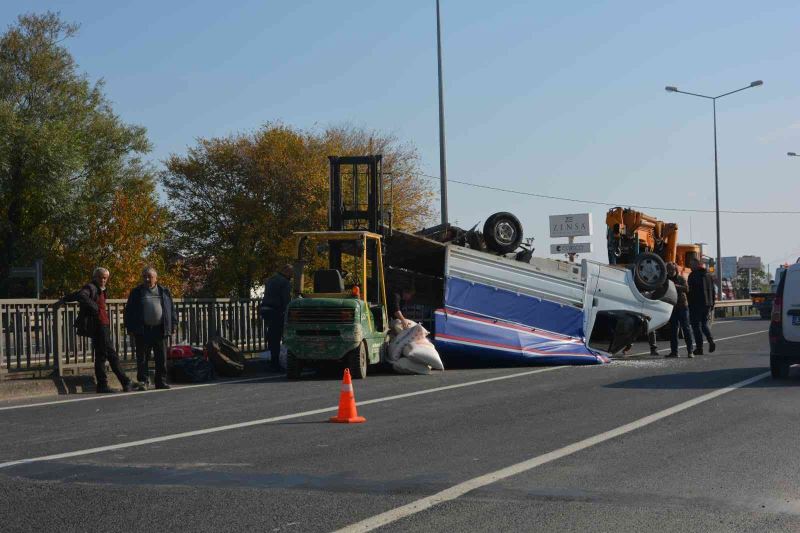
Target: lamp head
671,89
791,154
756,83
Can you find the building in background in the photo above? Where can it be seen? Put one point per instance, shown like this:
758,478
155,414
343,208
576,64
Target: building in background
728,268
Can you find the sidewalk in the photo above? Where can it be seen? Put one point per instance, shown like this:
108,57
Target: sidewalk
22,388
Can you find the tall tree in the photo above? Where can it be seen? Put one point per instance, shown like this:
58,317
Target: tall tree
65,158
236,200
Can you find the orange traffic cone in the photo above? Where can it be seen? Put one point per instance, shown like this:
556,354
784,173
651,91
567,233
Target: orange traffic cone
347,403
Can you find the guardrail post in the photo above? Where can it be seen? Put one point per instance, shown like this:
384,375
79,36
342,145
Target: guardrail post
59,368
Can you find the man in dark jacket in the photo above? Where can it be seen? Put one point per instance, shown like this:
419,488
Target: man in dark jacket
150,318
399,300
701,302
680,314
277,295
94,323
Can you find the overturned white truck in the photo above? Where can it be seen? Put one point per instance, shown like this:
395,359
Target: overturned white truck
483,295
491,308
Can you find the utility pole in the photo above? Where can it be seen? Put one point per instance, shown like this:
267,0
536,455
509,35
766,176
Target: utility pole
442,155
672,89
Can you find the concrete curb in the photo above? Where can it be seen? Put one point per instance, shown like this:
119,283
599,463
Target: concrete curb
17,389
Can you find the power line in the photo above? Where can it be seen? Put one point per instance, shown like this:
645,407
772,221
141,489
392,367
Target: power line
606,204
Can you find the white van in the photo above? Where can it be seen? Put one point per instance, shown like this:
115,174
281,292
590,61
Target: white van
784,330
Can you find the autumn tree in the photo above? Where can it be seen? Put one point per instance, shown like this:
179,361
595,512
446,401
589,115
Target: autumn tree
236,200
70,172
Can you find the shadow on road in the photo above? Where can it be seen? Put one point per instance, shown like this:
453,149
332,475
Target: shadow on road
709,379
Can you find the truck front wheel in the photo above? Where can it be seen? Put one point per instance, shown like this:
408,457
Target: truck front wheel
649,271
293,367
357,362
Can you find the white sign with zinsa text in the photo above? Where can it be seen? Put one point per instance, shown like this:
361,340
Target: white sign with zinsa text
579,225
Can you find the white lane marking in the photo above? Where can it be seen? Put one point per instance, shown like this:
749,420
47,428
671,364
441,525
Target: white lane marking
481,481
716,341
127,394
262,421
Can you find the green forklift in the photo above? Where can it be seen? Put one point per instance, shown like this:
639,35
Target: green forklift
340,316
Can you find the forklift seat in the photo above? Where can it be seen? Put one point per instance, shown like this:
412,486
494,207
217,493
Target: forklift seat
328,281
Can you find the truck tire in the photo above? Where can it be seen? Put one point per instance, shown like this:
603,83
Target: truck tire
357,362
293,366
502,233
778,367
649,271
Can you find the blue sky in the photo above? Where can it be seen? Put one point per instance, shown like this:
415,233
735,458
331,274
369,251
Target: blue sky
559,98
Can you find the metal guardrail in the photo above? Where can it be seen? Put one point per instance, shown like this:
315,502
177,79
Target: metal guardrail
36,337
733,303
724,308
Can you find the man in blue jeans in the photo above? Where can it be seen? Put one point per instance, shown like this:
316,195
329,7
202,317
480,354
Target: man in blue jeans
680,313
701,302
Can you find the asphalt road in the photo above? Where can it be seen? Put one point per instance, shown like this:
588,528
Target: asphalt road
602,448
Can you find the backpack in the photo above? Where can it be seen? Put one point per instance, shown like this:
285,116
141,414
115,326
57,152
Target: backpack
227,359
85,323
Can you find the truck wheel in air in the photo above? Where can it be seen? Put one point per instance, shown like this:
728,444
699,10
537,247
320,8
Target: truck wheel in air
357,362
502,233
649,271
293,366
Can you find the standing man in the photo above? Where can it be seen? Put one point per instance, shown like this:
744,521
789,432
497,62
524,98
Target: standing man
680,313
277,295
150,318
701,302
92,321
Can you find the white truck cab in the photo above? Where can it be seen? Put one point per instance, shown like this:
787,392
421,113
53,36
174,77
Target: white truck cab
616,311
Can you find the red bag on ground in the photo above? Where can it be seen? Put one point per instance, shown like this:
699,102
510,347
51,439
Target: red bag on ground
184,351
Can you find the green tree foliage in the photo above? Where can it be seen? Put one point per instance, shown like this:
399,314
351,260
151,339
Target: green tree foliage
236,200
759,283
67,163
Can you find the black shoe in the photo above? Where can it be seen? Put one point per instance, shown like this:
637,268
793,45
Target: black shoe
711,346
104,389
162,386
627,349
698,351
134,386
672,354
653,350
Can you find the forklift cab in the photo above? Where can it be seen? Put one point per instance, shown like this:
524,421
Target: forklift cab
340,315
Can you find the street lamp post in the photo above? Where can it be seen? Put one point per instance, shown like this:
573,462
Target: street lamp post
714,99
442,155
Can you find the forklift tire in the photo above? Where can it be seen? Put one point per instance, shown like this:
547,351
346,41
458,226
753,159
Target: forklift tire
357,362
502,233
649,271
293,367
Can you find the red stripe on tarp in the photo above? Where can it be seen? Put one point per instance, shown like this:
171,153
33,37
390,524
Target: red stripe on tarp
509,325
446,337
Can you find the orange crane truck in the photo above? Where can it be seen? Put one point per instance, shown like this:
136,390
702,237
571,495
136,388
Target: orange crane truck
645,244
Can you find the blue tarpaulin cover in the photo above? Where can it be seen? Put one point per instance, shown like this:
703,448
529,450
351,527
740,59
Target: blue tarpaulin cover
488,324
